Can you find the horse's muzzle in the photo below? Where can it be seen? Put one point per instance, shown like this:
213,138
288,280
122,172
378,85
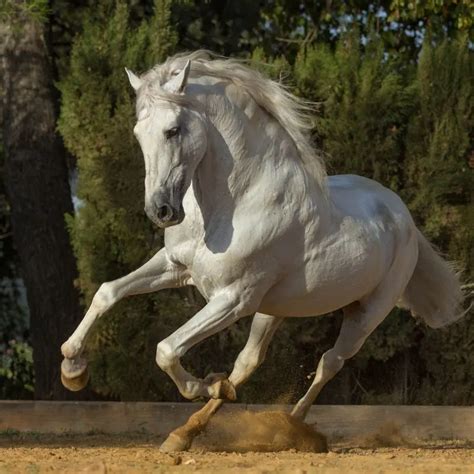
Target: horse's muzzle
163,214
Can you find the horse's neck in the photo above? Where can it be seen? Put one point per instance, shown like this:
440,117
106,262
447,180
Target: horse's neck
248,150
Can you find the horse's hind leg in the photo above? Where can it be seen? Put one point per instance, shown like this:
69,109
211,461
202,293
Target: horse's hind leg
252,355
357,324
360,319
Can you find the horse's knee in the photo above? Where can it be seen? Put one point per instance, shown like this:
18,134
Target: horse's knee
105,297
165,356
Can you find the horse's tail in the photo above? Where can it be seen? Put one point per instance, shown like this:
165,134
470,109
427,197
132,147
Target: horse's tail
434,292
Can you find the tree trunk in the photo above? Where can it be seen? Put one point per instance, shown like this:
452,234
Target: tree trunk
36,180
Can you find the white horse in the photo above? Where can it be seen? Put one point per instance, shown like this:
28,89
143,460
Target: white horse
255,224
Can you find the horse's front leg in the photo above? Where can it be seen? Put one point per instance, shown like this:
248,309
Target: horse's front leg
252,355
221,311
158,273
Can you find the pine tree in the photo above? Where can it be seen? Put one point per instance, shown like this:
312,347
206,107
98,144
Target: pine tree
440,186
364,106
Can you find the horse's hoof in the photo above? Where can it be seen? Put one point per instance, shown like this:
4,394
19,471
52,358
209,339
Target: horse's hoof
72,368
77,383
74,374
174,443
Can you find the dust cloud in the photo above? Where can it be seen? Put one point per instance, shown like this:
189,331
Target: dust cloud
244,431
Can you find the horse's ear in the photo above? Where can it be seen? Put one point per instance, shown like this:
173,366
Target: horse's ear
178,83
135,81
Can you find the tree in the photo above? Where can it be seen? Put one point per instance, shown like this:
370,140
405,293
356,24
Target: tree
36,180
439,17
364,102
439,188
226,27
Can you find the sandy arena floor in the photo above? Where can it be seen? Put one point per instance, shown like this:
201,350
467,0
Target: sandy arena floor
139,454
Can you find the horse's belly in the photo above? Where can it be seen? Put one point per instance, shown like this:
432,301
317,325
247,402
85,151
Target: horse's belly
326,297
313,303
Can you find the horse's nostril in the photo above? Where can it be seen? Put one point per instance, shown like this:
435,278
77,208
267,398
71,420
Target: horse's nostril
164,213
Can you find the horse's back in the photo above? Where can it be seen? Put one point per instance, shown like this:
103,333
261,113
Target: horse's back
364,198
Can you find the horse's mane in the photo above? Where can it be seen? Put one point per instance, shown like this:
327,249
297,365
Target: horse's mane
292,113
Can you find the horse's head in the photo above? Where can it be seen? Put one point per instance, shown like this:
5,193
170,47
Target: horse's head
173,140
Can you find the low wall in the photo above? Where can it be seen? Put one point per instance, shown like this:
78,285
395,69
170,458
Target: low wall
341,422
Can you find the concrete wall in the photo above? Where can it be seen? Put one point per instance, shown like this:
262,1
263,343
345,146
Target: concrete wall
337,422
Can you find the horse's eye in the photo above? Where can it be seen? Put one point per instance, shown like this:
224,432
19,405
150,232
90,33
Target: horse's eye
172,132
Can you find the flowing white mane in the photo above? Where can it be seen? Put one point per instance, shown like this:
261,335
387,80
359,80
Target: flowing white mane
292,113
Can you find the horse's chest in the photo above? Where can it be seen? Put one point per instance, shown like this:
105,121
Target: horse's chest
217,262
207,271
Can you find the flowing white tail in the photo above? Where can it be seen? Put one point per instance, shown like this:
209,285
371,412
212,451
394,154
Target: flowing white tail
434,292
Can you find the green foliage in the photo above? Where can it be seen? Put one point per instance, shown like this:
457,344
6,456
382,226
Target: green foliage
16,370
439,187
457,14
11,10
439,180
229,27
365,102
287,26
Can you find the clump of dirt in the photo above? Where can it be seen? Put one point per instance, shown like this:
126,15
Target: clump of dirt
244,431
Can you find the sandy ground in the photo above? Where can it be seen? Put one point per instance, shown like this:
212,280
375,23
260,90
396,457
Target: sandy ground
97,453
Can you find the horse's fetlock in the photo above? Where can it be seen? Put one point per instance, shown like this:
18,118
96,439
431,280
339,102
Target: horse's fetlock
70,349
